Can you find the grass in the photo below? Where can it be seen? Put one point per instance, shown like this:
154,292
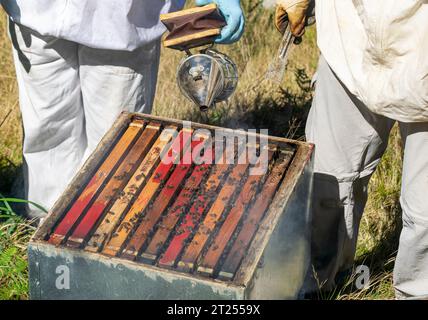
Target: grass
257,104
14,235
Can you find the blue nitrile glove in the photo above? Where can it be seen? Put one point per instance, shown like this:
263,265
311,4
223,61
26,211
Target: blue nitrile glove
231,10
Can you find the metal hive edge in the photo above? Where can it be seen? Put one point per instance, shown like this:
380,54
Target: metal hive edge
114,278
290,209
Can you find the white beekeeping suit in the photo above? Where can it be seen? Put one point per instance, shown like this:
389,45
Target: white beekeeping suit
373,72
79,63
378,49
113,25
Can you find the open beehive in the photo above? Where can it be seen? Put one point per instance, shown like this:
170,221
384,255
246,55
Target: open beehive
143,219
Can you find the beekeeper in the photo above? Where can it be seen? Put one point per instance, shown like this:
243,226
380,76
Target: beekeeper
373,72
78,65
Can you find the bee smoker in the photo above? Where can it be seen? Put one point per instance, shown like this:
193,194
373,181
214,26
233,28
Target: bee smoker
208,76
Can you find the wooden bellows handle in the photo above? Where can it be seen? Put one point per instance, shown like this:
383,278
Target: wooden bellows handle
192,27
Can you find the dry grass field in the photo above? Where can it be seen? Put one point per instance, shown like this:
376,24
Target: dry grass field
257,104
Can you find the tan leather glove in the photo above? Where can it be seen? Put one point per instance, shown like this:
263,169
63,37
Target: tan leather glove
293,11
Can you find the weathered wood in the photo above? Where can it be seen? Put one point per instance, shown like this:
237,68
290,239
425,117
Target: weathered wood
177,210
224,235
192,27
295,171
193,40
137,181
161,173
212,218
254,217
114,185
193,217
96,183
186,12
161,203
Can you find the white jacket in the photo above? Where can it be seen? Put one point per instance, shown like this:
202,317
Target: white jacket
103,24
379,50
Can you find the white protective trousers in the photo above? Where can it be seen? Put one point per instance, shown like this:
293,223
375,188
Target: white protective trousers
70,95
350,141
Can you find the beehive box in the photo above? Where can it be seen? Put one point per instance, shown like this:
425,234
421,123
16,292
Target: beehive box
163,210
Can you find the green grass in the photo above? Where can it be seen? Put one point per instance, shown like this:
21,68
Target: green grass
14,235
257,104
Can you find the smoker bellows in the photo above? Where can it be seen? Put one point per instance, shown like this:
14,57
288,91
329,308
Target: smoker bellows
132,225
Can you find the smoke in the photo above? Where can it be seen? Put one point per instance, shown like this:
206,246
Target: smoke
269,3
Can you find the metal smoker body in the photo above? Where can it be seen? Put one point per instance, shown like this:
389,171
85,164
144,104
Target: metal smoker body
207,78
